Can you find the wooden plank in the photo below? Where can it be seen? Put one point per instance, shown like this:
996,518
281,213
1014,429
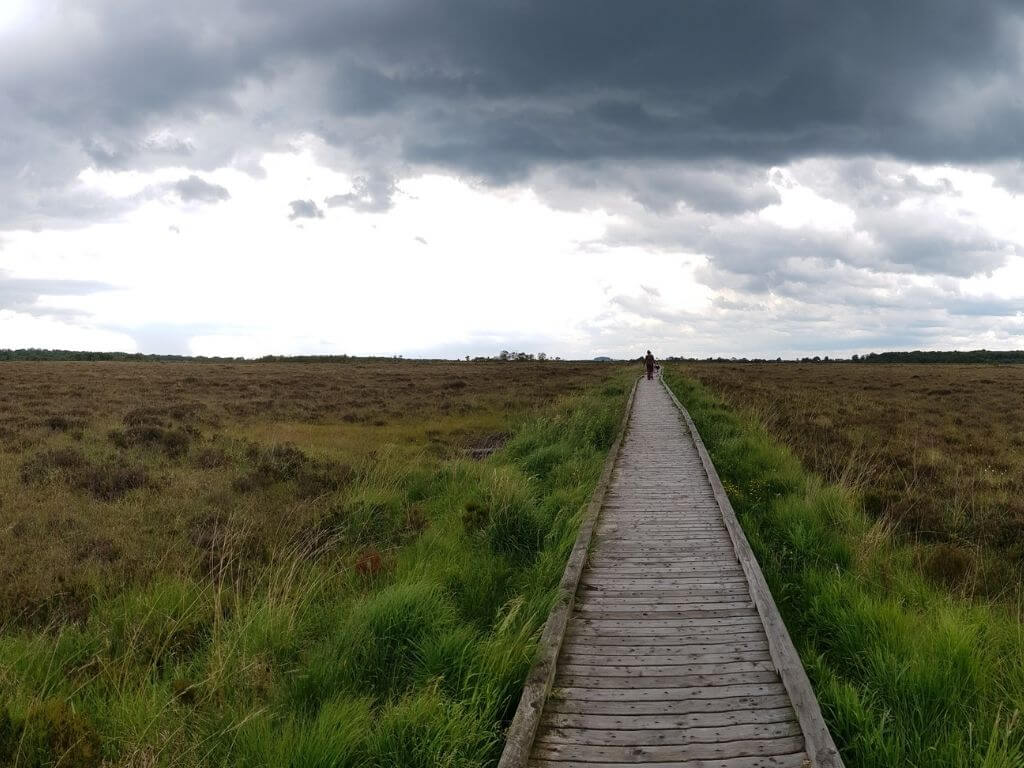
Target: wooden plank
639,592
606,573
661,637
601,572
731,566
634,660
667,547
584,647
696,613
703,590
719,699
666,645
520,736
639,530
674,601
656,582
753,747
664,603
795,760
716,734
759,714
579,693
655,587
705,570
667,622
627,641
630,672
664,682
657,561
819,744
707,558
675,541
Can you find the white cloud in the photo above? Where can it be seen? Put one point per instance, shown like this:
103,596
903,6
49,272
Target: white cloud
21,330
453,268
801,206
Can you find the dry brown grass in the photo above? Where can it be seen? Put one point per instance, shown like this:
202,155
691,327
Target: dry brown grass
112,473
937,451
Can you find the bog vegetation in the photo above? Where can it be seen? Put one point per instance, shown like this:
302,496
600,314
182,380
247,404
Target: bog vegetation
894,561
935,451
283,564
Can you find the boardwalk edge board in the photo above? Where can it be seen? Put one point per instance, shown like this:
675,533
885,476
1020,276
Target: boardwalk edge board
819,744
521,733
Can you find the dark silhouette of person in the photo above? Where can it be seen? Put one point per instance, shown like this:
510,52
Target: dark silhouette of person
649,364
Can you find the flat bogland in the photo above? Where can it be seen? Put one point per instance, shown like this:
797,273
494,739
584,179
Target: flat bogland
935,450
283,563
908,671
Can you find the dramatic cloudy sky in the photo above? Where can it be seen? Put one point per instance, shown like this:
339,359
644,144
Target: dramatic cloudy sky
449,177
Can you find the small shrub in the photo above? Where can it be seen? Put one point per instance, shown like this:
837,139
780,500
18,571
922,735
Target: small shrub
59,423
369,563
52,734
287,463
212,458
107,480
223,543
67,462
475,516
174,442
10,734
144,415
948,564
111,479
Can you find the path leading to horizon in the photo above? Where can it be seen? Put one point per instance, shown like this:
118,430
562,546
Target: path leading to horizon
667,659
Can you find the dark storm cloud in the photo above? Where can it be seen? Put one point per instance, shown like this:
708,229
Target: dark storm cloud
194,189
304,209
497,90
516,84
724,187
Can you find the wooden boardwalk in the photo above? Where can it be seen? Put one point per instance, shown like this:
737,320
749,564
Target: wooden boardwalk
668,655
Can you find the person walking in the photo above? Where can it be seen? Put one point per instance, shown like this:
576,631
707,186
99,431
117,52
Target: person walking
649,364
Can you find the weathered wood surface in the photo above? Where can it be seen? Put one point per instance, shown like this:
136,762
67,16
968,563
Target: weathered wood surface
670,654
522,732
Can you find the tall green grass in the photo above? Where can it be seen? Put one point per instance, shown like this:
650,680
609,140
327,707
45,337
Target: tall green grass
398,634
907,675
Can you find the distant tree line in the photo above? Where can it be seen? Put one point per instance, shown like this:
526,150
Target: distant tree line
505,355
971,356
81,356
77,355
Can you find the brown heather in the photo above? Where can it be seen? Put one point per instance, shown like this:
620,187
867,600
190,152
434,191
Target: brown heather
936,451
112,474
